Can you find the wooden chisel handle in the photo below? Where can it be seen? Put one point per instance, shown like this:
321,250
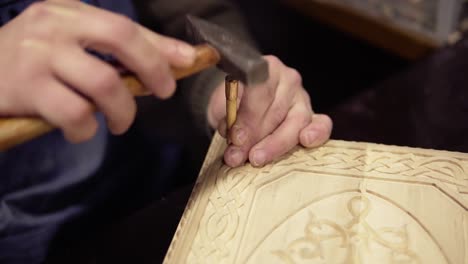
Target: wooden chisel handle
17,130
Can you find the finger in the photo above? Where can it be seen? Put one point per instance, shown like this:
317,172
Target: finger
65,109
244,135
257,98
177,52
288,93
284,138
235,156
111,33
317,132
255,104
216,110
98,81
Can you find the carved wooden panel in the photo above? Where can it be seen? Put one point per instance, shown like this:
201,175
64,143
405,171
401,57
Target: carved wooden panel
344,202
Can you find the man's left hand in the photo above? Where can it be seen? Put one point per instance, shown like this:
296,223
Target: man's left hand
273,117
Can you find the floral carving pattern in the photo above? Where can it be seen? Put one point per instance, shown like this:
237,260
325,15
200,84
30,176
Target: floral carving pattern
354,239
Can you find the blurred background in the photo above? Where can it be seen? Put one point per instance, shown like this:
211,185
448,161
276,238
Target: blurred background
386,71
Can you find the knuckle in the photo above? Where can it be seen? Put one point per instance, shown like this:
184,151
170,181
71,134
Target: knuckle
121,27
164,83
157,67
105,83
302,98
273,60
305,95
129,114
294,77
40,23
277,119
79,115
279,111
166,94
304,118
38,10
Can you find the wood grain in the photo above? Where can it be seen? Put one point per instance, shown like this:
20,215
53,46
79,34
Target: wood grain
17,130
231,90
345,202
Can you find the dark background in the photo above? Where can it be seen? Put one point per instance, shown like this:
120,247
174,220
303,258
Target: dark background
371,95
334,65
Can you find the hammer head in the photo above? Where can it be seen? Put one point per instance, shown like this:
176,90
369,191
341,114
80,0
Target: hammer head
238,59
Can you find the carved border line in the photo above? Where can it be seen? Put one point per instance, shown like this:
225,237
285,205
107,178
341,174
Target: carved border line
415,167
217,146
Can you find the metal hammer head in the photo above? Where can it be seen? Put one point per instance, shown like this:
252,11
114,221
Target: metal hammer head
238,59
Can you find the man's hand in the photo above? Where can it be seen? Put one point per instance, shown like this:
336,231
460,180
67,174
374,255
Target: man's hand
272,118
46,71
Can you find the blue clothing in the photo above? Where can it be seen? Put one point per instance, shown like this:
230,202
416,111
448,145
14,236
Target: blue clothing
11,8
41,182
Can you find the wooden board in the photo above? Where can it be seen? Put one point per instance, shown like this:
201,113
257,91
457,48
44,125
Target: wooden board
405,43
345,202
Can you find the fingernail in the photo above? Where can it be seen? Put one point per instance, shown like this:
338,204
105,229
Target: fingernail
187,51
235,156
259,158
310,137
240,135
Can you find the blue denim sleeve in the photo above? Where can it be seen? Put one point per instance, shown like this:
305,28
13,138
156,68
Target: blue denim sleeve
42,181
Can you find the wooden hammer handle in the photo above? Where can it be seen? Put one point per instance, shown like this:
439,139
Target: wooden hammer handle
17,130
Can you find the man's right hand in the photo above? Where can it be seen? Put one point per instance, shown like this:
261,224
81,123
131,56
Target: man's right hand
46,71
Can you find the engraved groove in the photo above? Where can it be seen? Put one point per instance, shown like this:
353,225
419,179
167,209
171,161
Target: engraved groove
415,219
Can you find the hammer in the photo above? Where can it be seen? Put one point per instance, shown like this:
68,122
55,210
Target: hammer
215,46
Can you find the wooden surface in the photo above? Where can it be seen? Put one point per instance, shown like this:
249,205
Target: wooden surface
344,202
381,33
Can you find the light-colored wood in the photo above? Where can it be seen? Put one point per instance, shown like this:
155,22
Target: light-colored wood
344,202
14,131
405,43
232,87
